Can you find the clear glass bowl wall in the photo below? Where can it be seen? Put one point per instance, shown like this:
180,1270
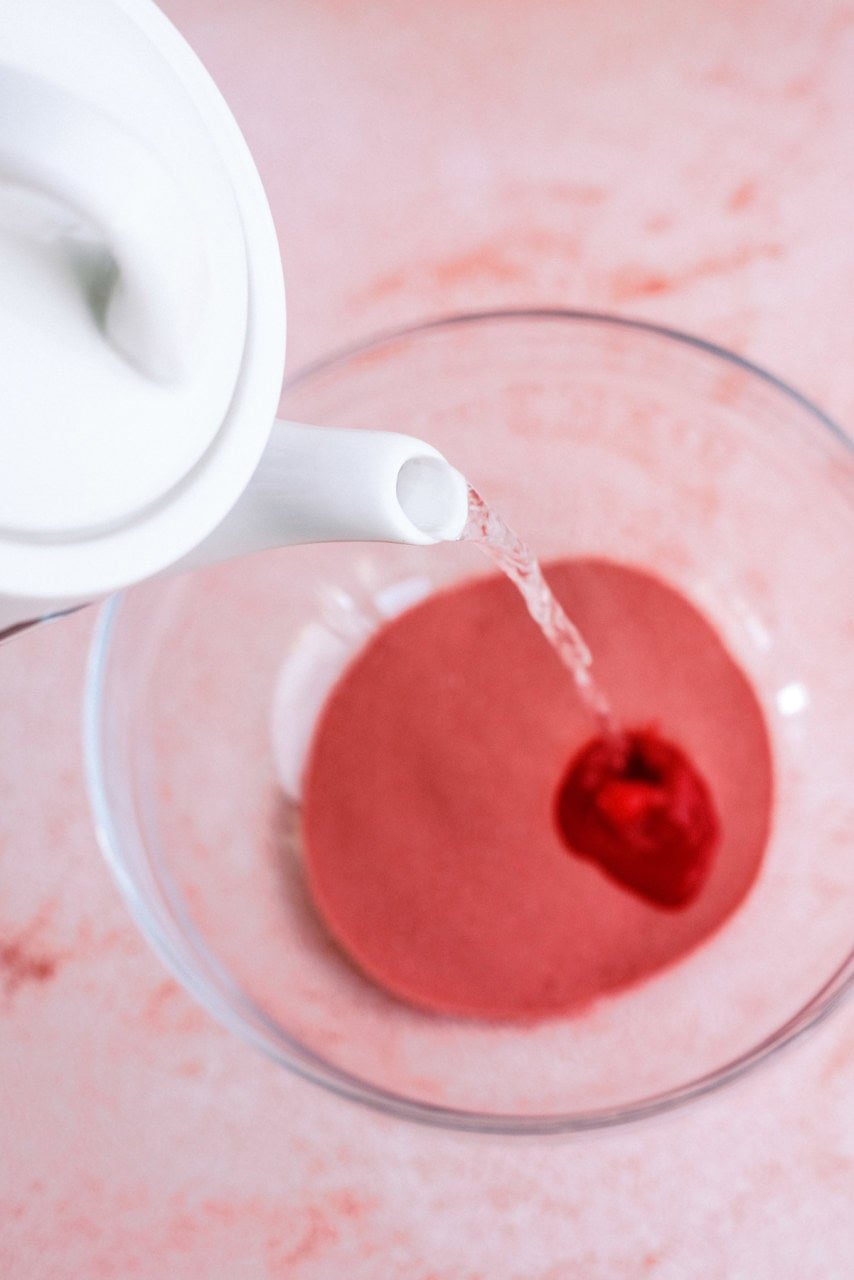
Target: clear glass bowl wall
595,437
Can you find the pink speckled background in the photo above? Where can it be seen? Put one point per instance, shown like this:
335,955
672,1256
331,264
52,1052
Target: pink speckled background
686,160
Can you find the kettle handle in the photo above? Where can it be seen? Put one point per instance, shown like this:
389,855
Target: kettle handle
145,274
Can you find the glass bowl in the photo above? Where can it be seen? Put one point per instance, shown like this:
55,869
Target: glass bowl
595,436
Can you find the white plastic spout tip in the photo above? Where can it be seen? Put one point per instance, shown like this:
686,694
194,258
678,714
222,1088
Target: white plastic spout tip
433,496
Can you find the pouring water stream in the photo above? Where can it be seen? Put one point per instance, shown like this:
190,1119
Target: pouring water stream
486,528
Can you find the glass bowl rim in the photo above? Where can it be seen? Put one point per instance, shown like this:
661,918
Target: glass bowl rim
237,1012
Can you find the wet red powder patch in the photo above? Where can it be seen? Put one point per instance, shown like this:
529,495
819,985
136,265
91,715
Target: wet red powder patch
636,806
432,850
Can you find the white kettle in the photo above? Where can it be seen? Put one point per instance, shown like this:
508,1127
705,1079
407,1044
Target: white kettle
142,331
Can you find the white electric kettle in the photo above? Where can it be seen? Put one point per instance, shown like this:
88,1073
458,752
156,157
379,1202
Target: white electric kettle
142,331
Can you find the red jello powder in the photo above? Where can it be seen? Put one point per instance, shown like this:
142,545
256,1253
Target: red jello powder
636,805
474,852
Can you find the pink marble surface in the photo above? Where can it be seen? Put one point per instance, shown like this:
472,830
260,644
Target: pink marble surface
685,160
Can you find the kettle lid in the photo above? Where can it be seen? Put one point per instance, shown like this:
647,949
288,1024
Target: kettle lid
141,299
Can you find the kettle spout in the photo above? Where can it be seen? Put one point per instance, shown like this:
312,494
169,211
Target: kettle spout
330,484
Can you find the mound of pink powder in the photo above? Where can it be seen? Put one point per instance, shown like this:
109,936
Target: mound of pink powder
435,801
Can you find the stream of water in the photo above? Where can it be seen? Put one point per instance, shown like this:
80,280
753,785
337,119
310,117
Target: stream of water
514,557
